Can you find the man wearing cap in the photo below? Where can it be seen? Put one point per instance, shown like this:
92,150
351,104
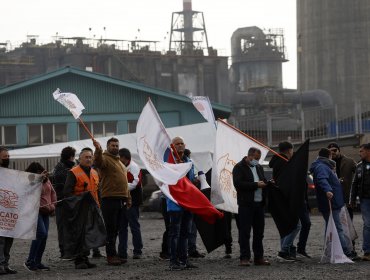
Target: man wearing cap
345,169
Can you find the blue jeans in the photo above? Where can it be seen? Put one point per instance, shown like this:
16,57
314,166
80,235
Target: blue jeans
192,240
132,219
251,216
365,210
339,227
179,231
38,245
305,220
287,241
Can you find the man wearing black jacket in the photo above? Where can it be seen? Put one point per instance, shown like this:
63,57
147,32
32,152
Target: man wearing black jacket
250,183
58,179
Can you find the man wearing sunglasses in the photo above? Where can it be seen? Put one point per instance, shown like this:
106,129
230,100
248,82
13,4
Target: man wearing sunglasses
345,169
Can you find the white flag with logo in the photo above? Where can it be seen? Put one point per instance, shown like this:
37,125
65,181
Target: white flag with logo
19,203
231,146
70,101
203,105
152,142
333,252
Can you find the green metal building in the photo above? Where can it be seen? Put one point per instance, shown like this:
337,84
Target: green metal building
30,116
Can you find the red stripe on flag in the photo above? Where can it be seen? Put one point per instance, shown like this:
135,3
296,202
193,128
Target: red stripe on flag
193,200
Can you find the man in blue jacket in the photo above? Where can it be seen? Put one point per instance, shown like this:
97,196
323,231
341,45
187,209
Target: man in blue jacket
329,191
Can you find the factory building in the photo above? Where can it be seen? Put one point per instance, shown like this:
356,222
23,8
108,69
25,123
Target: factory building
29,115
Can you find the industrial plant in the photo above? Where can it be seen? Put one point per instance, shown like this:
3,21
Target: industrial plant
333,68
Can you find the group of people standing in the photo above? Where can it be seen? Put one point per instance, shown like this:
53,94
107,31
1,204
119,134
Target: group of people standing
338,181
114,182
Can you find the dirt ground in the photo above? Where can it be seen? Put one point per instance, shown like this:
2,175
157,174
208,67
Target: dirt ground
213,266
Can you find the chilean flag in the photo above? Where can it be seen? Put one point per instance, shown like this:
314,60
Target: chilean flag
152,144
189,197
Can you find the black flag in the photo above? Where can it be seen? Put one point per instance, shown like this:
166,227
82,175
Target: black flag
286,198
213,235
83,226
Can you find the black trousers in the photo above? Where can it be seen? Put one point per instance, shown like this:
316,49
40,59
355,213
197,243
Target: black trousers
112,209
59,222
251,216
166,218
5,246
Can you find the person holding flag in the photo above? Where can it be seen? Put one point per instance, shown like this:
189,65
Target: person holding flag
277,163
180,219
329,194
5,242
250,184
80,179
115,194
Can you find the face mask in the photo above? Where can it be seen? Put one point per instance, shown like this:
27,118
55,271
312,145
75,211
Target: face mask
5,163
254,162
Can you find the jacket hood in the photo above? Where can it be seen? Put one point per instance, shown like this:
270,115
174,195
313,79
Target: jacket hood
276,160
322,161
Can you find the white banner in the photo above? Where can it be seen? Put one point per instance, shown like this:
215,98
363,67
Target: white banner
152,142
70,101
348,227
19,203
333,252
203,105
231,146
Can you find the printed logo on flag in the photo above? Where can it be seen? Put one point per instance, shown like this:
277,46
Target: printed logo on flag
9,200
151,157
225,178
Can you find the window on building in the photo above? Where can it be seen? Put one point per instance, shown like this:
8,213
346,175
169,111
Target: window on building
131,126
98,129
47,133
8,135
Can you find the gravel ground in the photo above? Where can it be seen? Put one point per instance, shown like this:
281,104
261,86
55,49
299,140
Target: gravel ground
213,266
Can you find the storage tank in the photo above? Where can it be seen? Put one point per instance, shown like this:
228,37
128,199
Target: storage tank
257,58
333,49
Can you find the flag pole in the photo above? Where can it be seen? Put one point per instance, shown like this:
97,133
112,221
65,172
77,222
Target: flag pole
251,138
176,153
87,130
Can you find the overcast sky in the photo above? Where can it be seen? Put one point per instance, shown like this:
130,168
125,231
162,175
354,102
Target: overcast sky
123,18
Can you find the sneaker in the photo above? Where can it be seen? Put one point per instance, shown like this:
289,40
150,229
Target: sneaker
303,253
43,267
30,267
175,267
196,254
136,256
284,257
366,257
188,265
164,256
227,256
67,259
123,260
353,256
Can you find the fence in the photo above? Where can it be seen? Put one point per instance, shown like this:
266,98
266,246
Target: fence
313,123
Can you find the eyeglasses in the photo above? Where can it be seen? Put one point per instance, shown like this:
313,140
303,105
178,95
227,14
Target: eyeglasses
334,150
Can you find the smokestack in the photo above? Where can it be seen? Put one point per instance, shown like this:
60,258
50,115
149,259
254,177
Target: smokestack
187,5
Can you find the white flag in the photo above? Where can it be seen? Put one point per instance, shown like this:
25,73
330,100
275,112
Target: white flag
152,142
231,146
19,203
349,230
203,105
70,101
333,252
